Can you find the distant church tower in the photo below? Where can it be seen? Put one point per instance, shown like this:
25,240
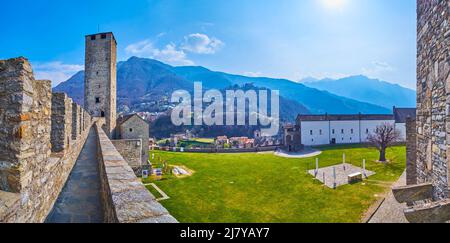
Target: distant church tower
100,83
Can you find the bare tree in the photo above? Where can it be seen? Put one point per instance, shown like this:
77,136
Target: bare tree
383,137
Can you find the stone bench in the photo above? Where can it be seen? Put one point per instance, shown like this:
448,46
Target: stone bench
355,178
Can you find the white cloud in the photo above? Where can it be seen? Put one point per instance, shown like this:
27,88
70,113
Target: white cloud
57,71
201,44
142,48
169,54
377,69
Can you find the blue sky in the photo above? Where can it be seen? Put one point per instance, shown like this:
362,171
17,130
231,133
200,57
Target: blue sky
284,39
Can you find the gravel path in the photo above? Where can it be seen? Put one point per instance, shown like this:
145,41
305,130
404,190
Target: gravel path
307,153
391,211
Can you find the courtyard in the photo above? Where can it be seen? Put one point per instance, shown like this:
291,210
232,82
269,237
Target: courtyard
262,187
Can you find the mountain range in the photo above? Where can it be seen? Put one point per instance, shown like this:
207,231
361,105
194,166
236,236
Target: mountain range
141,81
369,90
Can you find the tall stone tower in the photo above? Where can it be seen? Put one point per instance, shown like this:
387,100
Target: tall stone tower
100,84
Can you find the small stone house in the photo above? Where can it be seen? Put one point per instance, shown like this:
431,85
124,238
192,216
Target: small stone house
132,127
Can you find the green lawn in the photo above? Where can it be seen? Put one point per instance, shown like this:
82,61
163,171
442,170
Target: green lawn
265,188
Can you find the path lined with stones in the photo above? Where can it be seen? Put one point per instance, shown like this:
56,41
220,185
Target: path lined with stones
391,211
80,200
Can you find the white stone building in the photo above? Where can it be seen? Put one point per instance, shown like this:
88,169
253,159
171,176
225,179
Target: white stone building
348,129
339,129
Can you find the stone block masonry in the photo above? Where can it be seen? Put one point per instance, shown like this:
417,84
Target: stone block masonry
133,127
76,121
61,122
100,78
42,135
125,198
131,151
411,155
24,124
433,90
31,177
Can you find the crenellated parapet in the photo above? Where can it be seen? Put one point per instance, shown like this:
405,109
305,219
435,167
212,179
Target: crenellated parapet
76,121
41,137
61,122
33,123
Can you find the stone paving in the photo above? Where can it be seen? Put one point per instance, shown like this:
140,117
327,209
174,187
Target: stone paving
80,200
342,173
390,210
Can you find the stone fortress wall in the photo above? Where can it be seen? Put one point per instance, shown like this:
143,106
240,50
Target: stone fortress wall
132,134
433,90
131,151
41,137
37,149
125,199
411,152
428,138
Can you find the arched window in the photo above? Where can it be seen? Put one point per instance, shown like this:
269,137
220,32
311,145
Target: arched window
102,114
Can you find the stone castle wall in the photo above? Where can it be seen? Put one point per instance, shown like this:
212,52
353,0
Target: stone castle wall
136,128
125,198
31,175
61,122
131,151
411,152
76,121
433,88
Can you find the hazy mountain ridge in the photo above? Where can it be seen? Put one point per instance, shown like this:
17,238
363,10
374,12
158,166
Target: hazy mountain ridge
368,90
141,81
317,102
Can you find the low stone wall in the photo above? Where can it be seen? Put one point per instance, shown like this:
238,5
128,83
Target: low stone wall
131,151
223,151
31,177
125,198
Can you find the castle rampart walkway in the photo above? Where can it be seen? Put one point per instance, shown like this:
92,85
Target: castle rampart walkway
80,199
